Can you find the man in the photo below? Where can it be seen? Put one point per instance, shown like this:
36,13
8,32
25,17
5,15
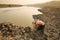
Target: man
38,24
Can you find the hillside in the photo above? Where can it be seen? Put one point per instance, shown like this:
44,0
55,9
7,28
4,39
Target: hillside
51,17
52,4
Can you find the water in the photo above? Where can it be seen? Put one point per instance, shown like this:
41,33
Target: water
18,15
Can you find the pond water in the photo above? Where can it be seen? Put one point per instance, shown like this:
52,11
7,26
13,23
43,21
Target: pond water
18,15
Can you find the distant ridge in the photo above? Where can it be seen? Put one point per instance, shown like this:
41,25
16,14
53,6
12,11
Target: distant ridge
9,5
51,4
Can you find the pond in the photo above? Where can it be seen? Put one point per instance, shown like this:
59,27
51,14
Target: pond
18,15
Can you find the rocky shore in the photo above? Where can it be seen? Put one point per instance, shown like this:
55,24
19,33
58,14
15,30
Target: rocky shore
10,31
51,17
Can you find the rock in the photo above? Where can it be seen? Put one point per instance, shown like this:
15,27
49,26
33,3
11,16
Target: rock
19,33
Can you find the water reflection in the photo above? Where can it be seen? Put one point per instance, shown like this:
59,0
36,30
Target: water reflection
18,15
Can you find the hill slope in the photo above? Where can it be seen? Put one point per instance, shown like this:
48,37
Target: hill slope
52,4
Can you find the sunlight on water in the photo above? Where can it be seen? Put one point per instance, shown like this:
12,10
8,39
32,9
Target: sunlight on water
18,15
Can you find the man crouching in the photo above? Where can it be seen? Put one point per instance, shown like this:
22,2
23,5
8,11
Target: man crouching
38,25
